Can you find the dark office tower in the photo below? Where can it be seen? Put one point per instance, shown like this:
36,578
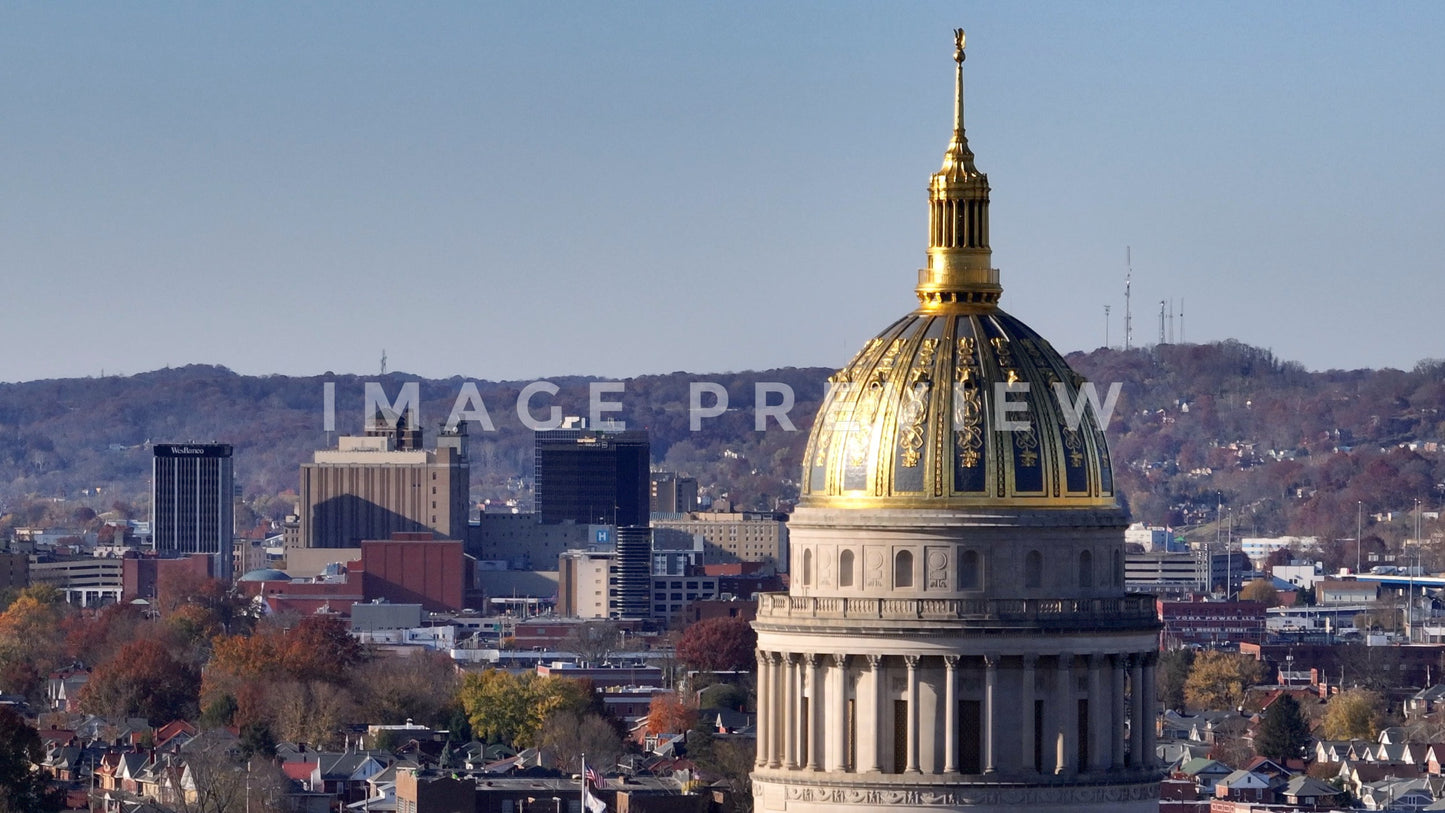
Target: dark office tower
192,509
592,477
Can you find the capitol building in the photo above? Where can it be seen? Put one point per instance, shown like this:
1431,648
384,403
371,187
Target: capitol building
956,635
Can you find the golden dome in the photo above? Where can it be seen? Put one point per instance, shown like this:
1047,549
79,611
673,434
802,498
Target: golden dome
922,413
958,404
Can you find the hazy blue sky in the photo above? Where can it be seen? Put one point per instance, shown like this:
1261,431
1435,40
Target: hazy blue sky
521,190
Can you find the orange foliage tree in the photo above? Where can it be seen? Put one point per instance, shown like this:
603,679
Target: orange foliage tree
667,714
319,648
144,679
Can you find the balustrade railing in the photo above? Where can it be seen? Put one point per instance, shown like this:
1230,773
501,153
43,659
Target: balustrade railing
1057,610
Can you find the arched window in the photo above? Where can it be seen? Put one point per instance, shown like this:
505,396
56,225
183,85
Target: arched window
1118,571
903,569
969,575
807,567
1086,569
1034,569
845,569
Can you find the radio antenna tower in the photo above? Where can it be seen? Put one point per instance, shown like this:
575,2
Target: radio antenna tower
1128,313
1181,322
383,361
1106,325
1161,321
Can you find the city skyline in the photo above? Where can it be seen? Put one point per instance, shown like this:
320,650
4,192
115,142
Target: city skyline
509,192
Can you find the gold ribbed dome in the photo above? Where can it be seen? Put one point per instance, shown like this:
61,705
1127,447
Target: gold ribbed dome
919,416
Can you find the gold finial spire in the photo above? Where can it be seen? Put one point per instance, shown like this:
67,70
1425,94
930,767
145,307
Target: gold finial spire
958,56
959,256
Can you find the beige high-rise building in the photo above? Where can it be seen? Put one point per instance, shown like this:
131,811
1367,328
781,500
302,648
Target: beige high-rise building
956,635
728,537
383,483
583,583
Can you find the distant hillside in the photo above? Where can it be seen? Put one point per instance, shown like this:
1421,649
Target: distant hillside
67,437
1288,451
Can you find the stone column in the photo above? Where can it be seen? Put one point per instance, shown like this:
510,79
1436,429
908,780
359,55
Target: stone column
1137,708
760,760
839,741
790,712
1116,694
990,713
775,710
1026,699
800,722
950,714
1100,726
1149,733
868,747
815,713
1066,716
911,765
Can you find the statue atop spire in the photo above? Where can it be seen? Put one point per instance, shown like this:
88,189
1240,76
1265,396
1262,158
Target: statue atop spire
959,257
958,56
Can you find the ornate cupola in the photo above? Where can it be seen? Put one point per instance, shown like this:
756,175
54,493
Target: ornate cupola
960,267
915,417
956,634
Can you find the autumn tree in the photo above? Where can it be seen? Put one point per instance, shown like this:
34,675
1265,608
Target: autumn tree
321,645
310,711
319,648
593,640
1279,557
667,714
245,667
1218,680
1261,590
503,707
1283,733
1352,714
718,645
422,687
143,680
571,736
94,636
31,638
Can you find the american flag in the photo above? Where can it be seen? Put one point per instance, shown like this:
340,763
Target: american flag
593,778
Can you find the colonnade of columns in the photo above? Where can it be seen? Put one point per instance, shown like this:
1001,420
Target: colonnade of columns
1000,714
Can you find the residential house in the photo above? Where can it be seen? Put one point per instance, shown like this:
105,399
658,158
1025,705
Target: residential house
1204,773
1427,700
345,774
174,734
1357,774
1245,786
1398,794
63,687
1308,793
1343,750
